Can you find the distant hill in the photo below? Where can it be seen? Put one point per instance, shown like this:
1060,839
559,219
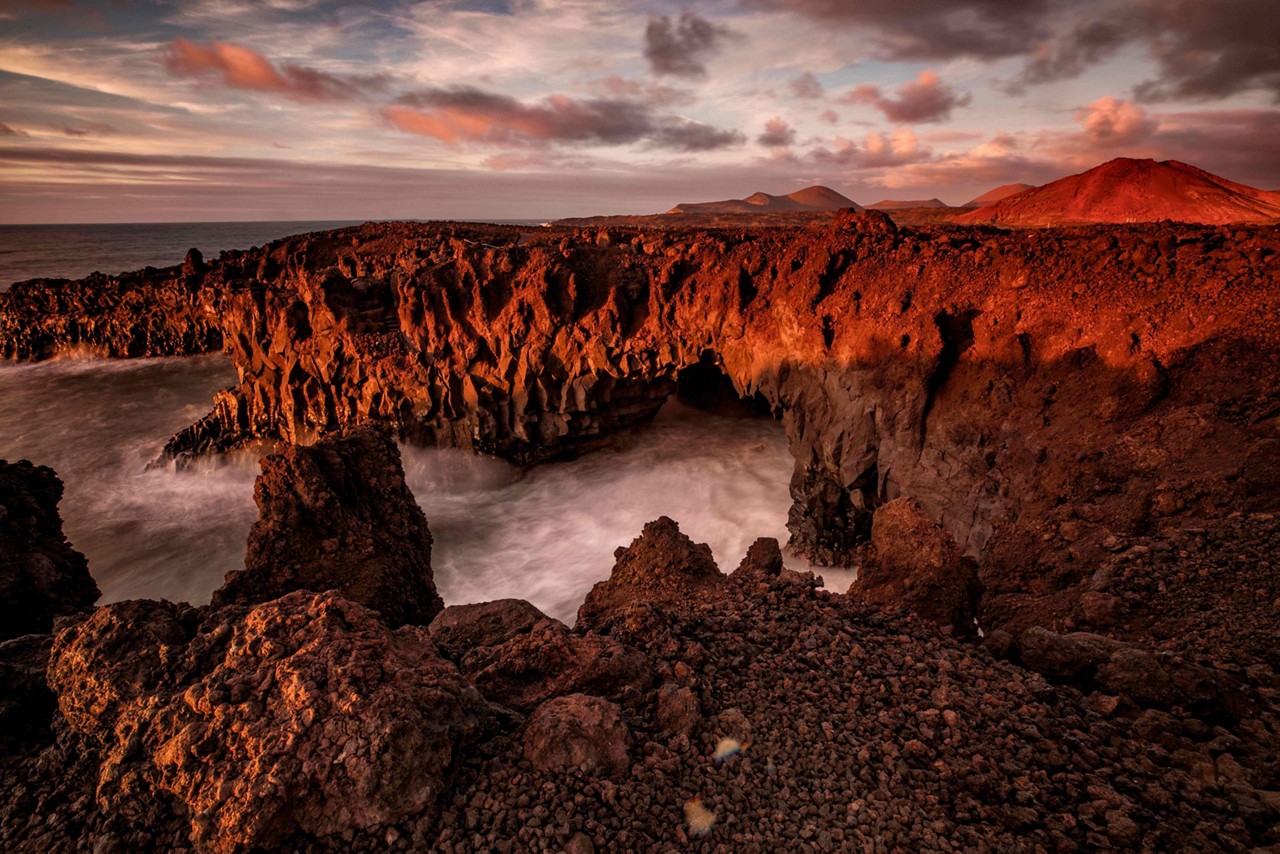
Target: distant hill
1001,192
899,204
1127,190
815,198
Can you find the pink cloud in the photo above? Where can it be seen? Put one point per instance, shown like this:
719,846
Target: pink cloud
238,67
926,99
1113,121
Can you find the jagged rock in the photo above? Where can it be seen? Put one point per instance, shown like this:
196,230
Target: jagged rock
549,660
578,732
338,515
301,718
869,221
662,567
41,575
26,703
763,558
461,628
916,565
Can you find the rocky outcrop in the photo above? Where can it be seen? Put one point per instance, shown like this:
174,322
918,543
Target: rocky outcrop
914,564
26,703
41,575
661,567
305,718
1036,391
577,732
459,629
338,515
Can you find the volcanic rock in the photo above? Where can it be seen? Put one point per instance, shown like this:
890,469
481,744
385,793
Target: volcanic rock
41,575
338,515
578,732
549,660
763,558
661,567
26,703
302,718
1002,192
459,629
916,565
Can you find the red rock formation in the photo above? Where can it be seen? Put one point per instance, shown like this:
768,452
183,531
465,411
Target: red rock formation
304,718
41,575
661,567
914,564
338,516
1036,391
1126,190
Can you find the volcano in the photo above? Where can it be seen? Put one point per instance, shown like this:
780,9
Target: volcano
815,198
1127,190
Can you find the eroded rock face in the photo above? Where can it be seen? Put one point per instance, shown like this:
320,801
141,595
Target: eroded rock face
301,718
41,575
914,564
661,567
1037,391
338,515
548,660
578,731
458,629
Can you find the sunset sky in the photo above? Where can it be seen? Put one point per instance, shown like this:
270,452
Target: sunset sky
317,109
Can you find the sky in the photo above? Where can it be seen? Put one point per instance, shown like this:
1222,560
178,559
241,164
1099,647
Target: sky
189,110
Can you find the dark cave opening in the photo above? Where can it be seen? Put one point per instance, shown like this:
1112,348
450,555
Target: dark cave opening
704,385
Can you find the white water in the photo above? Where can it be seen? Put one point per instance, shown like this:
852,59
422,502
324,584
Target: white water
546,537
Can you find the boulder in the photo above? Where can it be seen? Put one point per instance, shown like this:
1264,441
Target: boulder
299,719
916,565
548,661
662,567
763,559
868,221
460,628
578,732
338,515
41,575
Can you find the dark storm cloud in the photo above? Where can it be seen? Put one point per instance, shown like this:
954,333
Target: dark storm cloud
466,114
926,99
1213,48
806,86
680,47
933,29
1068,56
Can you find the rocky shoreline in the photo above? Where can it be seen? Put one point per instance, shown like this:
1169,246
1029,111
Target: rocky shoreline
1050,454
687,709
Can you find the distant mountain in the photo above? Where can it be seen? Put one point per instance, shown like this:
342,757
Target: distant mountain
900,204
999,193
815,198
1127,190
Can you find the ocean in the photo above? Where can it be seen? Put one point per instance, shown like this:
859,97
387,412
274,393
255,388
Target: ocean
546,535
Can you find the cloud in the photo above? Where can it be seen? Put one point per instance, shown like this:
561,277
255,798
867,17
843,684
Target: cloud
466,114
829,116
682,46
5,130
927,99
933,29
876,151
777,134
1212,48
617,86
1085,44
239,67
1112,121
806,86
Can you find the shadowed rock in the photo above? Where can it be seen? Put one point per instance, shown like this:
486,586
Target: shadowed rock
916,565
578,732
41,575
338,515
303,718
461,628
661,567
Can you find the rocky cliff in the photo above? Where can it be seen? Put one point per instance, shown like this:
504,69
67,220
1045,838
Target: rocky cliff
1039,393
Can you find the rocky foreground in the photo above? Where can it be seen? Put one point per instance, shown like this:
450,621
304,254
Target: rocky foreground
324,701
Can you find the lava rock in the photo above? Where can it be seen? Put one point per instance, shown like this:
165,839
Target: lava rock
41,575
301,718
460,628
338,515
662,566
578,732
